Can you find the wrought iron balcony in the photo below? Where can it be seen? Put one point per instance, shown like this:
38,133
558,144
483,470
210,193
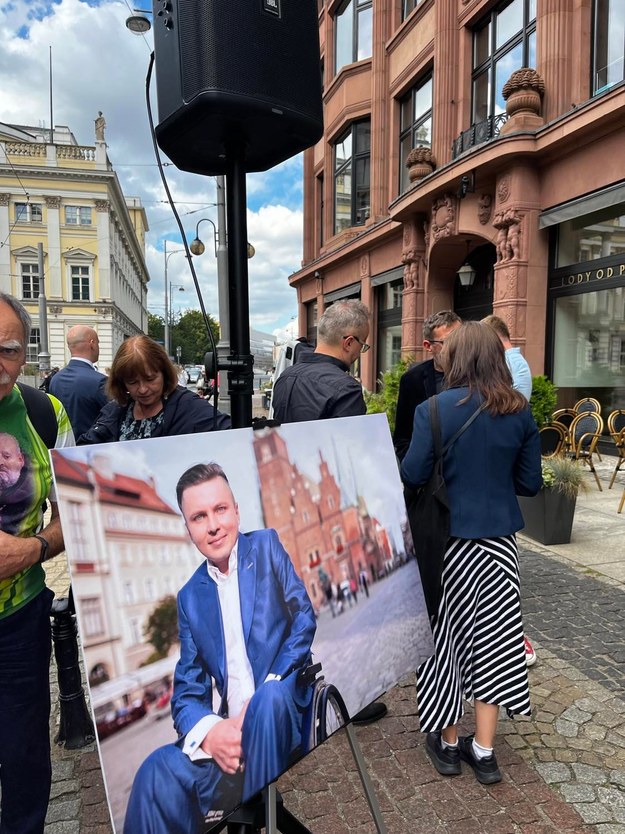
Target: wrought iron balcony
478,133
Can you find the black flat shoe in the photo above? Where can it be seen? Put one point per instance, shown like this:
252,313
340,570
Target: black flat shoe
445,759
369,714
485,769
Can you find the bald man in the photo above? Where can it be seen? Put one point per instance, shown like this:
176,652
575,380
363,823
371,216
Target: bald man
16,489
79,386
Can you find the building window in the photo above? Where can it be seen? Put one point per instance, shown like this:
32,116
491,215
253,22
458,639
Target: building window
352,160
389,297
415,124
30,281
321,209
609,45
408,6
503,42
92,619
28,213
80,283
77,215
32,348
353,30
592,237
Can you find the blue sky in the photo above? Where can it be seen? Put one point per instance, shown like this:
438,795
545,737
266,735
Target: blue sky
97,64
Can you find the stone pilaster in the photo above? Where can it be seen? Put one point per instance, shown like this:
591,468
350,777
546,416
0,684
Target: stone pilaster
446,50
415,265
56,264
554,24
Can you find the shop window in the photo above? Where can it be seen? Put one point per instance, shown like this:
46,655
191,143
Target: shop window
353,32
502,43
352,176
589,336
609,44
415,124
30,281
592,237
389,301
28,213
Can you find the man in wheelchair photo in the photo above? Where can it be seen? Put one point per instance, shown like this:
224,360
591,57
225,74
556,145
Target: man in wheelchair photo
241,705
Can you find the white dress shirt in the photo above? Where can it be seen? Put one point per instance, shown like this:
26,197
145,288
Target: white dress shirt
240,681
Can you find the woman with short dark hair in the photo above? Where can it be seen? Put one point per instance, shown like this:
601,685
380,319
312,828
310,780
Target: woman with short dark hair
147,400
478,627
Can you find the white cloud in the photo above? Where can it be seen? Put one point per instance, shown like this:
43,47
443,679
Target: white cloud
99,65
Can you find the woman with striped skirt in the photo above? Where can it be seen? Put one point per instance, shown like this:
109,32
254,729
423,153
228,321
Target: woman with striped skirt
478,628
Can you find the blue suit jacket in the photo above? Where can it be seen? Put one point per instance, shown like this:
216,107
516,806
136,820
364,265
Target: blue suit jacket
496,459
278,627
81,390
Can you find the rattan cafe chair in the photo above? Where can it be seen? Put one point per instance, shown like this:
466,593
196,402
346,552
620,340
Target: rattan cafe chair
584,435
552,440
616,427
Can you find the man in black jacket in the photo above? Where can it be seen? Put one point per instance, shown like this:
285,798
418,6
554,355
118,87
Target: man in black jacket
422,381
319,386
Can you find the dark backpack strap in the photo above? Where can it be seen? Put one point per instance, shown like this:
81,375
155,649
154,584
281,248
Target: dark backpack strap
41,413
435,423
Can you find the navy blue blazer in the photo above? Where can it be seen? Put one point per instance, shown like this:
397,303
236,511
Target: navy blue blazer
81,390
496,459
278,626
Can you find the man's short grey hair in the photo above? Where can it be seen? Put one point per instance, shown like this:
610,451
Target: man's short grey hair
21,312
341,319
444,318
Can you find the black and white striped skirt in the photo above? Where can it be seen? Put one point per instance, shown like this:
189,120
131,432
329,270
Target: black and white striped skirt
478,635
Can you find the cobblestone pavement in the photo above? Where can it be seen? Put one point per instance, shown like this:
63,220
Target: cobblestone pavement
564,770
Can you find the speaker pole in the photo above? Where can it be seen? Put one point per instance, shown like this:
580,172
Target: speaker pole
240,361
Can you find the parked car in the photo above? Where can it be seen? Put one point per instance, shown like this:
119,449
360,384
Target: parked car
193,374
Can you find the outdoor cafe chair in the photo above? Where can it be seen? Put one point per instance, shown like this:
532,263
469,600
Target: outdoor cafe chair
587,404
564,417
552,440
584,435
616,427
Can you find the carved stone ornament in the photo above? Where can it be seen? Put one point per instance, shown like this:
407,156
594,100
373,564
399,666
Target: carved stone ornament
503,190
102,205
52,202
484,208
523,92
4,199
420,163
508,243
443,217
410,259
364,265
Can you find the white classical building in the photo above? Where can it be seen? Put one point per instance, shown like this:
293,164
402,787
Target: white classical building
68,197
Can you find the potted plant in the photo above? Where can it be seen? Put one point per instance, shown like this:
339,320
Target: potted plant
543,400
384,401
549,515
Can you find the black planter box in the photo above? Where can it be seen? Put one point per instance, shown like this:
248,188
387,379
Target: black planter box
548,516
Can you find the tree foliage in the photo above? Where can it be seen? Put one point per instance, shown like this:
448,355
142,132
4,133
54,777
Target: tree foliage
385,399
188,332
543,400
162,626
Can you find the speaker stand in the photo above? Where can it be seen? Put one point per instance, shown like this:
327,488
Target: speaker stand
240,363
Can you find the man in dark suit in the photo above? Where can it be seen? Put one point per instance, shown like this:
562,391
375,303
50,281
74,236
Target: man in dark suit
79,386
422,381
246,628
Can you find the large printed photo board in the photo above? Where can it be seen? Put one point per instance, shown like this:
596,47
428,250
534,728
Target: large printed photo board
322,612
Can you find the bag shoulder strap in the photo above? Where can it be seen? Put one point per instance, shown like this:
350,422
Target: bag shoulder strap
41,413
464,426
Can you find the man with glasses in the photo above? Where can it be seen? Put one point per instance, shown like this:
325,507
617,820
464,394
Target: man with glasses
422,381
319,386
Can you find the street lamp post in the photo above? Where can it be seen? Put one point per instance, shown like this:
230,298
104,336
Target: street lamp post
166,333
173,287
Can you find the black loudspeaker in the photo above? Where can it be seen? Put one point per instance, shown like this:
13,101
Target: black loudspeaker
236,70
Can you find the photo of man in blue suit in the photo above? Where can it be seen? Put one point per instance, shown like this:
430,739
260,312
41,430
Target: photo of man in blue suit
246,627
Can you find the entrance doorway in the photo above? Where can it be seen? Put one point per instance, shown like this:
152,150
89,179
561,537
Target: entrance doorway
475,302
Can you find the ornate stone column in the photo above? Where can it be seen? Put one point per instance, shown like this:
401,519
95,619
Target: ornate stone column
554,24
446,51
414,259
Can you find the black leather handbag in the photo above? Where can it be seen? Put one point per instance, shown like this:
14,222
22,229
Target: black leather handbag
428,514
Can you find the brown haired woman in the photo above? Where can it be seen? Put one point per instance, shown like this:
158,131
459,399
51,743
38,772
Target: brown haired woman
478,629
147,400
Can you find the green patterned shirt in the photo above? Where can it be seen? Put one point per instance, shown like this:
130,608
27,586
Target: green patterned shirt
25,483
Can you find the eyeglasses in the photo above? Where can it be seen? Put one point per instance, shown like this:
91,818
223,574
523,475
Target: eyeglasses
364,347
436,341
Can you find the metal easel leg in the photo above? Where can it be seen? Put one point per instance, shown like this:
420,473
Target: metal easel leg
271,812
365,779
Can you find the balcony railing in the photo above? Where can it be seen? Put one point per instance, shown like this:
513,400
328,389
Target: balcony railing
478,133
39,149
